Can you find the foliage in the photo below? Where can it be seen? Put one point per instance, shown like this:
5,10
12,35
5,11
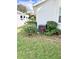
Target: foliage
51,29
21,8
53,32
51,25
32,17
31,22
30,28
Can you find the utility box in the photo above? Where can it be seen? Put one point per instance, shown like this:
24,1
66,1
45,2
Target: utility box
42,28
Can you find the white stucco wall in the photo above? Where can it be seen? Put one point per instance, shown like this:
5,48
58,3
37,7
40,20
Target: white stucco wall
47,11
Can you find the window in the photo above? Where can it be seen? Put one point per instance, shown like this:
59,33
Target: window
21,16
59,19
59,15
24,16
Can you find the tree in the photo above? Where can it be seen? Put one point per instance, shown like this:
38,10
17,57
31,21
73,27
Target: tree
21,8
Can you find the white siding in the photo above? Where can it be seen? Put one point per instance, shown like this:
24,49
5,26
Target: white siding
47,11
19,21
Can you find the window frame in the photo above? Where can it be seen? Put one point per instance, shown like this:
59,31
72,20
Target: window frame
59,17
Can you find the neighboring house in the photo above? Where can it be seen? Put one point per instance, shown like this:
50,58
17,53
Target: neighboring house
48,10
21,18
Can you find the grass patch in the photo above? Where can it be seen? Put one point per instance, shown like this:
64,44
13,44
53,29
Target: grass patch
37,47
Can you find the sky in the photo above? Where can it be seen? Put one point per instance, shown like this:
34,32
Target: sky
33,1
27,3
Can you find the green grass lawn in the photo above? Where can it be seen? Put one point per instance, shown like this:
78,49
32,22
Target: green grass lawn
38,47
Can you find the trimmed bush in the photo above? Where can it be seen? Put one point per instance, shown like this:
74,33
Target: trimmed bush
32,22
51,29
53,32
30,29
51,25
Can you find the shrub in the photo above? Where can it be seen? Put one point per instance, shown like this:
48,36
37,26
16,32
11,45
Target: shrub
32,22
30,29
32,17
48,33
51,25
51,28
53,32
57,31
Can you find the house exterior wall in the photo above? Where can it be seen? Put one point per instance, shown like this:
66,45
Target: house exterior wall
47,11
21,21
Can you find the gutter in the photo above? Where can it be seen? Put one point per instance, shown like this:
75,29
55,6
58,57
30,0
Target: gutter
39,3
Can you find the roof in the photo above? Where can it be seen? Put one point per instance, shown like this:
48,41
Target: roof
39,2
19,12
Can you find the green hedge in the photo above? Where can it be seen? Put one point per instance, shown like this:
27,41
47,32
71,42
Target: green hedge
32,22
30,29
51,29
51,25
